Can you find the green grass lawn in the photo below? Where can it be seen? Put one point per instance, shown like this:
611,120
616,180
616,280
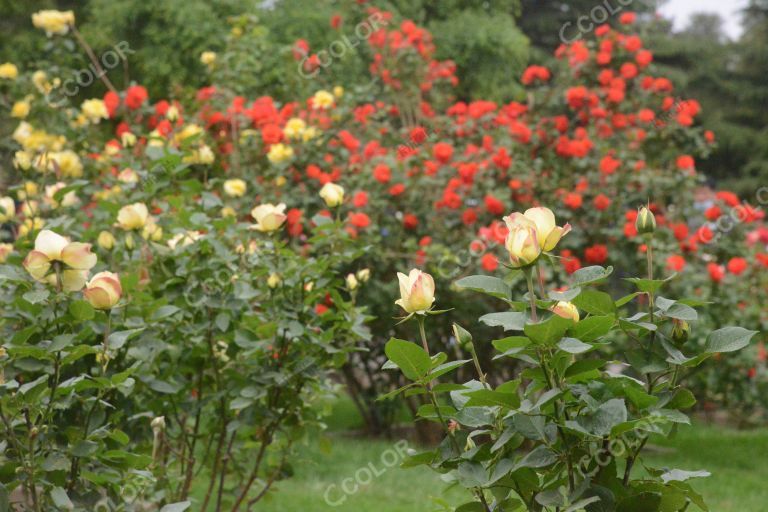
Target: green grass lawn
737,460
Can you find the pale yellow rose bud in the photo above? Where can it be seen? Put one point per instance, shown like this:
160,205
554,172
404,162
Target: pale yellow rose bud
566,310
364,275
352,282
158,424
228,211
208,58
20,109
417,291
129,243
106,240
7,209
274,280
103,291
332,194
646,222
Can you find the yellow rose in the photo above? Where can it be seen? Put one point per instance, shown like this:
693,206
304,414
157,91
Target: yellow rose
5,250
352,282
338,91
268,217
235,188
128,175
20,109
531,233
566,310
7,209
279,153
184,239
22,160
51,247
332,194
53,22
9,71
273,281
322,100
128,139
67,162
364,275
208,58
133,216
106,240
103,291
94,110
294,128
417,291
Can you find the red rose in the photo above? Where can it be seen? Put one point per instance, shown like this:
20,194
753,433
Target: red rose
135,96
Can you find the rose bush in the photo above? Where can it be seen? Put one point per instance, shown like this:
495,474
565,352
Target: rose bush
568,431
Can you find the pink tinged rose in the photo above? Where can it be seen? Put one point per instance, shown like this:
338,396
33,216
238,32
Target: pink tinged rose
78,256
103,291
268,217
37,264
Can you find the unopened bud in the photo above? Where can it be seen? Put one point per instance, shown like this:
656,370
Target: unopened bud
680,331
646,222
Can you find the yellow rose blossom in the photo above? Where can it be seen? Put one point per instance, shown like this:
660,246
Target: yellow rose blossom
208,58
532,233
228,211
152,231
40,81
53,22
127,139
68,199
294,128
332,194
235,187
66,162
417,291
352,282
273,281
184,239
20,109
128,175
94,110
189,130
133,216
75,258
22,160
279,153
310,133
280,181
8,71
30,208
268,217
322,100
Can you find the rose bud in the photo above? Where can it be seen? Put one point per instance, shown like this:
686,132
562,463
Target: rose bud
680,331
106,240
417,291
103,291
364,275
7,209
268,217
646,222
352,282
566,310
332,194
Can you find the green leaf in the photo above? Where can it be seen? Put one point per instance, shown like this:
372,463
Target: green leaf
60,499
36,296
446,368
609,414
590,275
583,366
509,320
678,475
117,339
683,399
81,310
649,285
409,357
165,312
489,398
177,507
574,346
595,302
728,339
593,327
548,332
485,284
